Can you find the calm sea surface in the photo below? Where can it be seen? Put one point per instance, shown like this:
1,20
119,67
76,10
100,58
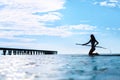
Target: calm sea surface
59,67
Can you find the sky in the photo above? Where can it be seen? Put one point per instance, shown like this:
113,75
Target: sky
60,24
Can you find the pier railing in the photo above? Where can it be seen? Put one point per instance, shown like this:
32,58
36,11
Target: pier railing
18,51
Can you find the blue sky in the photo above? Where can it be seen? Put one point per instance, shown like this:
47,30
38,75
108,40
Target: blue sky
59,24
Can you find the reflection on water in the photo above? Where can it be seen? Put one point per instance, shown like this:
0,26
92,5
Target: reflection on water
59,67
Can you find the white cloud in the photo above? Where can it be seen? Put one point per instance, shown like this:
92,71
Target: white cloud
113,28
78,27
30,17
113,1
33,5
21,12
105,3
83,27
51,16
17,17
109,3
63,31
27,19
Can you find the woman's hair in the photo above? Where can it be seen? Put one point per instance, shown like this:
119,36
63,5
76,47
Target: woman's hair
92,37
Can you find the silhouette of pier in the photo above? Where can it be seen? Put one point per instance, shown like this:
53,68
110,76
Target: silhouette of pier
18,51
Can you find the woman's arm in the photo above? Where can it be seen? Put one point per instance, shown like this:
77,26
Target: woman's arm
96,42
87,42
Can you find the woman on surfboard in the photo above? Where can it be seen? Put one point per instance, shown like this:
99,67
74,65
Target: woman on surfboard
93,42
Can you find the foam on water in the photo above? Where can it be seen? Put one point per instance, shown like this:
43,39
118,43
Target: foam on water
59,67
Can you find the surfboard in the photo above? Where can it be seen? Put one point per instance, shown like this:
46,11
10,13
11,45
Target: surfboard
95,54
106,55
90,45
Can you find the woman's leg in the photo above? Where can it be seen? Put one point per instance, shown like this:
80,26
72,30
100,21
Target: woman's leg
91,51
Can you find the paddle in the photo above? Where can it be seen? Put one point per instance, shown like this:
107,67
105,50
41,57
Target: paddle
90,45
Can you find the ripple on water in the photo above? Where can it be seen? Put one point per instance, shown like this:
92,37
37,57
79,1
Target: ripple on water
59,67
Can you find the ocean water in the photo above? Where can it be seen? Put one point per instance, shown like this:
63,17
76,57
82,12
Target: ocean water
59,67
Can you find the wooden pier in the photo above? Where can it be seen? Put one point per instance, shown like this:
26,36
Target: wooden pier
18,51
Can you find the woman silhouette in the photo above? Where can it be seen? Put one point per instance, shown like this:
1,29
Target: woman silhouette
93,42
